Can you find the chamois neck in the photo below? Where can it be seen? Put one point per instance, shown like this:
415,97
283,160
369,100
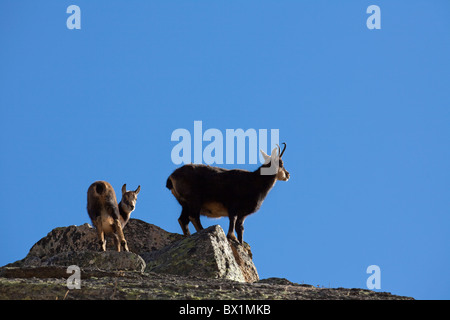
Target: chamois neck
265,181
123,213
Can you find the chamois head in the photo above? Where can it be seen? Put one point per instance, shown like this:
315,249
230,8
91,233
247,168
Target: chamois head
129,198
273,164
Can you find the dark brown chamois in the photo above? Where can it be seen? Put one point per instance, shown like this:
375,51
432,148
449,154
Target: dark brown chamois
106,215
216,192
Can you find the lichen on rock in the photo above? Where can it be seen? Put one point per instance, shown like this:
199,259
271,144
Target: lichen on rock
206,254
161,265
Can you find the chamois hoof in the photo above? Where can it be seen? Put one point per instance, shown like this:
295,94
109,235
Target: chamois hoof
125,246
232,237
186,233
102,246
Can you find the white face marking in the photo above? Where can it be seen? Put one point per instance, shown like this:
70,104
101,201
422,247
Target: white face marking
129,201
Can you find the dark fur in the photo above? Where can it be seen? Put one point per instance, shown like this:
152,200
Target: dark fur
241,192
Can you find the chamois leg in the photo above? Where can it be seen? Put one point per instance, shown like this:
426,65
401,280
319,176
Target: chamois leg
195,219
116,242
117,228
183,220
119,232
230,234
100,233
240,229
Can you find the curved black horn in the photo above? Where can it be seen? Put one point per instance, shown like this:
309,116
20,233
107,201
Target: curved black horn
281,154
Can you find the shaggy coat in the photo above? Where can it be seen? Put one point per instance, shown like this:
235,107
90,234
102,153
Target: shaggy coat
106,215
216,192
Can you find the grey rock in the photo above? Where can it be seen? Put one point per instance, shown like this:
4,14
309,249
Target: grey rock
205,254
45,283
146,237
195,267
141,237
95,260
108,261
244,258
63,239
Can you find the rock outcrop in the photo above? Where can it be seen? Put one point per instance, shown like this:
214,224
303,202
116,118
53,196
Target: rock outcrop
207,254
141,237
160,265
50,283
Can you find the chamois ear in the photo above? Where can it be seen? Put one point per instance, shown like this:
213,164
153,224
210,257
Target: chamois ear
124,189
265,156
275,153
137,190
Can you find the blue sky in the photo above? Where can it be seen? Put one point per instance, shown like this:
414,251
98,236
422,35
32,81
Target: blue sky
365,115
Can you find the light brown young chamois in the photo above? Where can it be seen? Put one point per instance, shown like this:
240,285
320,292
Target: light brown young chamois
216,192
106,215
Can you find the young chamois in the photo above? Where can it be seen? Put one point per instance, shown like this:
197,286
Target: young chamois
106,215
216,192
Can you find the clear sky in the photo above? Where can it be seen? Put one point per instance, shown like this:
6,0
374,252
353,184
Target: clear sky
365,115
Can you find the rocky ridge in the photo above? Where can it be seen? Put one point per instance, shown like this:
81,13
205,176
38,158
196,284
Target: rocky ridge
160,265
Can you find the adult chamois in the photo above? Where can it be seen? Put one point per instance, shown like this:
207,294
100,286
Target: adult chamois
106,215
216,192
